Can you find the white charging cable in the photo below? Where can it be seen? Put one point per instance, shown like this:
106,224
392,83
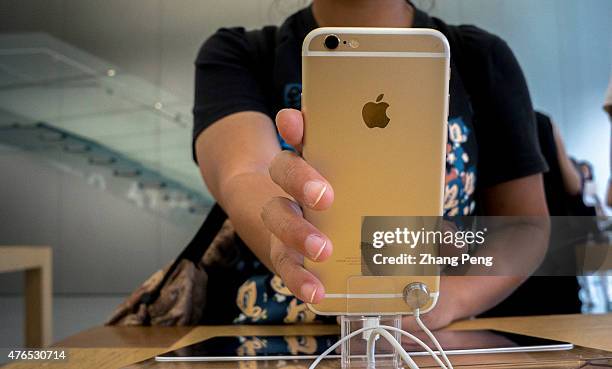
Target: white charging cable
417,317
398,346
335,345
383,331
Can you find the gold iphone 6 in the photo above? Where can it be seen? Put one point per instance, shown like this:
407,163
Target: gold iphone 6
375,105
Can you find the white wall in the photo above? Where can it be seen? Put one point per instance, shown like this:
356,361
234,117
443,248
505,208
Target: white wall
101,242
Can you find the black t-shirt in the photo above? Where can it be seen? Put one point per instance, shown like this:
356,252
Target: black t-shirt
239,70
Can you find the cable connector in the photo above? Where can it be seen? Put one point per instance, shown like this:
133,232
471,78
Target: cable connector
370,322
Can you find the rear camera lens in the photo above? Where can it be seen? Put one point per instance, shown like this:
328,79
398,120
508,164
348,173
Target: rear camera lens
332,42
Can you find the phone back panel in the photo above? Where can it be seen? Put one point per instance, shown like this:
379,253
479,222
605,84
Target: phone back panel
378,165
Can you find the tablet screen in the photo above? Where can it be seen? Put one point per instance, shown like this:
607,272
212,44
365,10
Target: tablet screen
308,347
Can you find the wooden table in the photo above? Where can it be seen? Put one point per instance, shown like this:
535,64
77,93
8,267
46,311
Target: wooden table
36,262
117,347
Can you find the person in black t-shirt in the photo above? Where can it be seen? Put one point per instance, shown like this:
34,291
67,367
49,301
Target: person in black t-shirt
248,80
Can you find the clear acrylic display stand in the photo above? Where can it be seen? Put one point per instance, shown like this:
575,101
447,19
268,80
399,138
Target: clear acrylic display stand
353,351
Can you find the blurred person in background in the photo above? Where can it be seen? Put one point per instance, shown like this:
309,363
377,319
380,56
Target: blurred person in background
608,108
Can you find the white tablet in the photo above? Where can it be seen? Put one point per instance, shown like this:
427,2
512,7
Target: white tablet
239,348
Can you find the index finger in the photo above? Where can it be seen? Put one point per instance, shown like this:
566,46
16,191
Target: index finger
290,125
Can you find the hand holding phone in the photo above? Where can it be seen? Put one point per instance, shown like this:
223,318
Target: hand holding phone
293,237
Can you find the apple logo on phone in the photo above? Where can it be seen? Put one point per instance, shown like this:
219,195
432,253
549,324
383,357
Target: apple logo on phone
375,113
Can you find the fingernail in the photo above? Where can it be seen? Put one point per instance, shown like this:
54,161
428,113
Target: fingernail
314,246
314,191
309,290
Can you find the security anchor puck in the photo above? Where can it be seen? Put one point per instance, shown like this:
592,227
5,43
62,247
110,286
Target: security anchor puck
416,295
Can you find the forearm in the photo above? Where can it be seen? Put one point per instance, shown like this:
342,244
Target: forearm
523,200
234,155
517,246
473,295
571,178
243,199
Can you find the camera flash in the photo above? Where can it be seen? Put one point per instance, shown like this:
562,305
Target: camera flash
353,44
